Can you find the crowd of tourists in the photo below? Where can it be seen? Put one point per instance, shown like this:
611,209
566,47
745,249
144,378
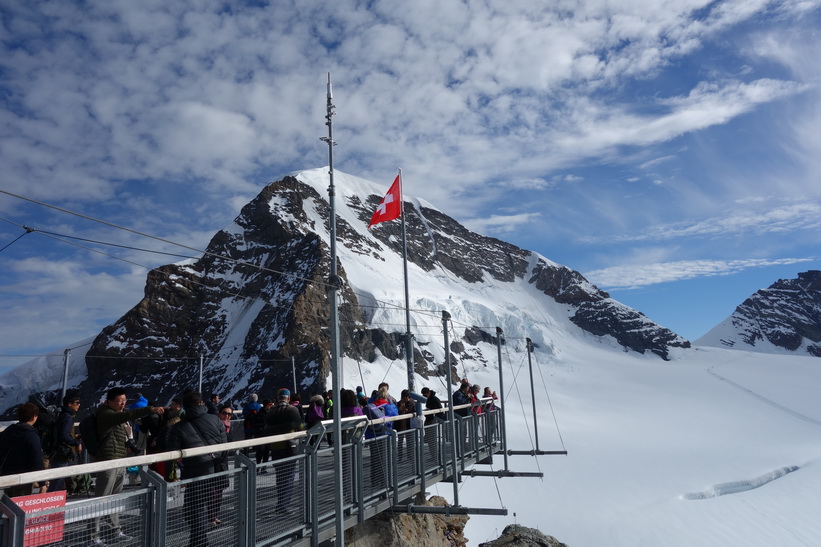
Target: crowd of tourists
116,430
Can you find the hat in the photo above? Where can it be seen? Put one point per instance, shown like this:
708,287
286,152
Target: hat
283,393
358,389
254,397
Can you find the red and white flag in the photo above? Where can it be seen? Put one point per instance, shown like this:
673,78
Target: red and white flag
391,205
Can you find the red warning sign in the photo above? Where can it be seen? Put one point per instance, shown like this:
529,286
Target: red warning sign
44,529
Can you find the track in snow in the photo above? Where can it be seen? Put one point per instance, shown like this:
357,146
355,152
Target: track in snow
740,486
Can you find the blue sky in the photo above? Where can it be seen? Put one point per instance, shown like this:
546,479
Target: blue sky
669,151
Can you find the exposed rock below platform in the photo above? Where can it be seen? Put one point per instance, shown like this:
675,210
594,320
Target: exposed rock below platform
401,529
521,536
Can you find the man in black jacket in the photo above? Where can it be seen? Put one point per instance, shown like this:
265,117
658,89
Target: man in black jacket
280,419
68,445
20,449
198,428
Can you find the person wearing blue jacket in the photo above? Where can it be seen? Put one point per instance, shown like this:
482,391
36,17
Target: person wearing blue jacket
379,448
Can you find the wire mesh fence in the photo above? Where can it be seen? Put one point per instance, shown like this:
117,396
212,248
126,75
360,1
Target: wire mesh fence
280,498
278,502
124,518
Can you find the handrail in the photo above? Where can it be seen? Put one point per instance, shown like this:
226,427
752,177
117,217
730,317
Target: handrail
94,467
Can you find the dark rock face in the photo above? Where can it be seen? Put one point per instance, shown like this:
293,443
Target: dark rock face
787,314
599,314
268,276
433,238
257,301
521,536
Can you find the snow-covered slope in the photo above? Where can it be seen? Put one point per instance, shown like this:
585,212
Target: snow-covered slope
715,448
783,318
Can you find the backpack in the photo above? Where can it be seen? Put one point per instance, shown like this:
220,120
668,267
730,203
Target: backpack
46,425
88,434
314,414
79,484
375,412
259,420
250,418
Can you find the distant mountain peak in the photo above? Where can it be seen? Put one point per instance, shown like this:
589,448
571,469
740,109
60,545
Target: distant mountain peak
785,317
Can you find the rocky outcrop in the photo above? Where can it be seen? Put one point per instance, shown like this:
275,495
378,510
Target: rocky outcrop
515,535
599,314
401,529
785,315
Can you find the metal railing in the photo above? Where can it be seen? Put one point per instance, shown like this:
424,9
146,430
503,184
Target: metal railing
282,502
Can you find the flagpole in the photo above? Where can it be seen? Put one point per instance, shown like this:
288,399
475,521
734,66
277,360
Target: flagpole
408,336
333,289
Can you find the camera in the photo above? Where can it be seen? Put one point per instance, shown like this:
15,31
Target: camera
132,447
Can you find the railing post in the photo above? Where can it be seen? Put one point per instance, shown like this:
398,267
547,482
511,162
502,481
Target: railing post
451,415
393,463
499,337
532,391
315,435
16,530
66,361
247,510
360,478
158,512
420,452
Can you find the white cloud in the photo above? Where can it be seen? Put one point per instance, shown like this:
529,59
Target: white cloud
72,312
500,224
186,110
642,275
783,219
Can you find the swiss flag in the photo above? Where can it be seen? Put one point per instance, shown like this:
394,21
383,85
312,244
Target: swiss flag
391,205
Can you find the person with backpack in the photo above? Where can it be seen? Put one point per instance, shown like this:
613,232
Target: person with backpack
314,413
433,402
381,407
462,397
109,443
249,419
405,406
328,411
296,402
225,413
431,438
198,428
259,427
283,418
66,443
361,398
20,449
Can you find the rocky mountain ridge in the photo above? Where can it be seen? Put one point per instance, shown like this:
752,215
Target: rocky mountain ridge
786,316
256,303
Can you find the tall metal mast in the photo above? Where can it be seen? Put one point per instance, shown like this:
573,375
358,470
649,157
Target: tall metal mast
333,290
408,335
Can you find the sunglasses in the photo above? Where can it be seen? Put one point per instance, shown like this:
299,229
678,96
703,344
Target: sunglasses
226,413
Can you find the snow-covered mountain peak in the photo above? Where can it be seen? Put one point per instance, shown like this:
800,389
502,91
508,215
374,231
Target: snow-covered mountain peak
783,318
257,301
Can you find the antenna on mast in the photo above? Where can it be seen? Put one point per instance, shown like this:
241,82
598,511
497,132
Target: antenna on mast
333,290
